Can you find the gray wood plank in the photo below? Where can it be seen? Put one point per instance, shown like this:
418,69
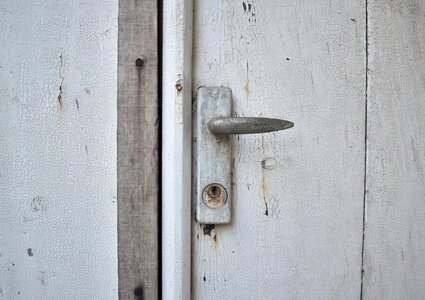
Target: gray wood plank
138,150
394,264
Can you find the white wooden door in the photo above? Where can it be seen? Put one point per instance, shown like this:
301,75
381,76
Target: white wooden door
297,226
333,208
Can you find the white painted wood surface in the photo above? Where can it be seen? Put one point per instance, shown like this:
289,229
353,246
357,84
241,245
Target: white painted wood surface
58,149
297,222
394,261
176,145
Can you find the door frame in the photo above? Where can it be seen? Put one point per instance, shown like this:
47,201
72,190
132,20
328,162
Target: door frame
176,149
154,149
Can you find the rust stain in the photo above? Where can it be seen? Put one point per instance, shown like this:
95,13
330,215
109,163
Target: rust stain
214,241
247,86
262,144
179,86
264,189
62,78
210,230
60,104
247,89
266,213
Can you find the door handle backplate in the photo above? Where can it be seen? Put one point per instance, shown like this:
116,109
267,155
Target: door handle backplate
213,156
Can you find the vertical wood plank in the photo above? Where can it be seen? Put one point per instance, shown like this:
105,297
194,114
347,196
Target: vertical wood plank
138,150
394,265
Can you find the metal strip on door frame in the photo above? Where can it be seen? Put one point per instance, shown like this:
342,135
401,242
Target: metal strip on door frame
176,149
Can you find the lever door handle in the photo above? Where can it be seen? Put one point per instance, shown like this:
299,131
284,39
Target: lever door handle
244,125
213,151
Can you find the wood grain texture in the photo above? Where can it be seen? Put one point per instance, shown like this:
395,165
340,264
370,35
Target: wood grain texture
395,212
138,150
298,204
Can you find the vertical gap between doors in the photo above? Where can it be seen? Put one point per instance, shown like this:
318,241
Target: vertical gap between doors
159,49
365,144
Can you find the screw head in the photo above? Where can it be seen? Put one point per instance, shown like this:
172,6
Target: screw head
214,195
140,62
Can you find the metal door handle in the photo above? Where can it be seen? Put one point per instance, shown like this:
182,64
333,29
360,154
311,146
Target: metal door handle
243,125
213,151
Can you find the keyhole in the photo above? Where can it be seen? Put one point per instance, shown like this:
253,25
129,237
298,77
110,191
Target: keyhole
214,191
214,195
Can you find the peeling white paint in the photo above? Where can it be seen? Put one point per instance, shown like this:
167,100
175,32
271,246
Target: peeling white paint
58,158
296,230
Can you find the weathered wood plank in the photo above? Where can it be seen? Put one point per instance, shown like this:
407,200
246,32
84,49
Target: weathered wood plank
138,150
297,217
394,264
